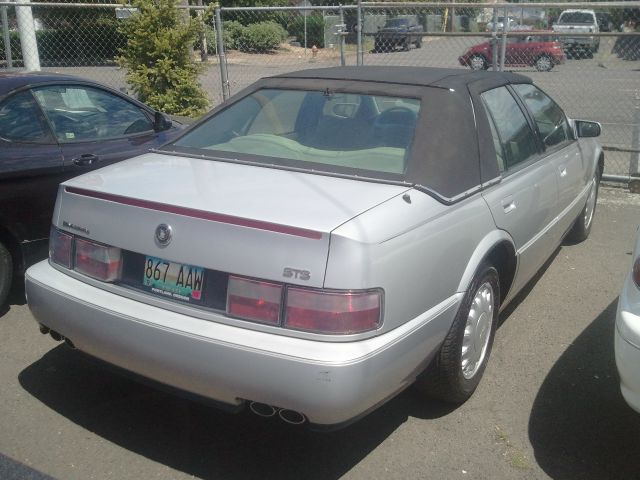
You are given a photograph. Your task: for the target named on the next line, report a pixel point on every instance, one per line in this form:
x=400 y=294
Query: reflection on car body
x=354 y=230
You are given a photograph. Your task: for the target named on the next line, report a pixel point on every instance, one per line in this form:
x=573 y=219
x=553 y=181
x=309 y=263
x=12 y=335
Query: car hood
x=241 y=219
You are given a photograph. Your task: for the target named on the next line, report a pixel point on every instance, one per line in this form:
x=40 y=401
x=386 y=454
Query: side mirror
x=161 y=122
x=588 y=129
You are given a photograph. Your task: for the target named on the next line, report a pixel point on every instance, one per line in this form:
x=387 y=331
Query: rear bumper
x=329 y=382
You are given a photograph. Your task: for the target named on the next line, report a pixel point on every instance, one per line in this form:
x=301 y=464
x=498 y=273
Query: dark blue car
x=54 y=127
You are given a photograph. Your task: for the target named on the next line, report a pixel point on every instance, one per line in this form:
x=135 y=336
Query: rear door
x=95 y=127
x=562 y=151
x=524 y=203
x=30 y=168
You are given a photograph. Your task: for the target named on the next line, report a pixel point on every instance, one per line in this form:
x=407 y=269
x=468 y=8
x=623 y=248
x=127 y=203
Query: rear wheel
x=582 y=227
x=6 y=273
x=419 y=43
x=544 y=63
x=458 y=367
x=478 y=62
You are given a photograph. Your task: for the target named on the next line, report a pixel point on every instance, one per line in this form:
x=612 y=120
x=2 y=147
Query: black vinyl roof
x=417 y=76
x=452 y=154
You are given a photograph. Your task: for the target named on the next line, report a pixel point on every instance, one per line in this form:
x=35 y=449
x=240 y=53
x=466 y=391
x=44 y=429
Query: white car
x=627 y=333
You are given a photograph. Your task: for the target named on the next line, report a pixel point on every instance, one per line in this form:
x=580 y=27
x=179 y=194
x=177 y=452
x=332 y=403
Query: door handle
x=85 y=159
x=508 y=204
x=563 y=171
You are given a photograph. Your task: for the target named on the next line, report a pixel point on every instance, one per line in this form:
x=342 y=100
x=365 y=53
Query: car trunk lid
x=244 y=220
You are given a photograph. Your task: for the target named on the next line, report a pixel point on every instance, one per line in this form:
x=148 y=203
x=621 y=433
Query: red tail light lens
x=635 y=273
x=98 y=261
x=60 y=246
x=332 y=312
x=254 y=300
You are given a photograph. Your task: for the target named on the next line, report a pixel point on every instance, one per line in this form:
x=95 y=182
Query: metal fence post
x=341 y=33
x=360 y=54
x=494 y=41
x=7 y=37
x=224 y=76
x=503 y=45
x=634 y=158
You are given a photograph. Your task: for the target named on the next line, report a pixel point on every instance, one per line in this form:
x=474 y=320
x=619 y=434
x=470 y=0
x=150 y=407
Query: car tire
x=478 y=62
x=6 y=273
x=544 y=63
x=456 y=370
x=582 y=226
x=405 y=45
x=419 y=43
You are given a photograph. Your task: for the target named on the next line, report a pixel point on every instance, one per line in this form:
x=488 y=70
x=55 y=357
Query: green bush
x=158 y=59
x=260 y=37
x=232 y=32
x=315 y=30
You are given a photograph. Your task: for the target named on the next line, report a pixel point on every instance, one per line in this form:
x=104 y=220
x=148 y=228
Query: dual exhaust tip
x=56 y=336
x=288 y=416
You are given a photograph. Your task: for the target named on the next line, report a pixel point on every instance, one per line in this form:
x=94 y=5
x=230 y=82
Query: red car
x=542 y=51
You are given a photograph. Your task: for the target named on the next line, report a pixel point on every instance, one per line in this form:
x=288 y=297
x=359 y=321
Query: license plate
x=173 y=280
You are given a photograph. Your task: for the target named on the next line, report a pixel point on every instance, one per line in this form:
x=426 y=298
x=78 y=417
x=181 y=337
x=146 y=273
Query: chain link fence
x=586 y=55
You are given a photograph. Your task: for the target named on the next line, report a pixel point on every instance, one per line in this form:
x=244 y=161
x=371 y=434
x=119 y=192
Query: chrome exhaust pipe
x=56 y=336
x=292 y=417
x=262 y=409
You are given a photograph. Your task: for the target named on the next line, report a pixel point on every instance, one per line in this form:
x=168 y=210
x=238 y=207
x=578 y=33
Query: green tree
x=158 y=57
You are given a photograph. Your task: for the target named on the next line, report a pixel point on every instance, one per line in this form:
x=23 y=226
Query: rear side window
x=576 y=17
x=21 y=120
x=510 y=127
x=550 y=119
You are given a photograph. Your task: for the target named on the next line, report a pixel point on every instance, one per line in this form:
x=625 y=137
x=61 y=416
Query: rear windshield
x=307 y=129
x=576 y=17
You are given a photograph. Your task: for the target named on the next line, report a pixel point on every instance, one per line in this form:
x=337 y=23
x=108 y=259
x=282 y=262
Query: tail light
x=97 y=261
x=254 y=300
x=332 y=312
x=60 y=247
x=635 y=272
x=310 y=310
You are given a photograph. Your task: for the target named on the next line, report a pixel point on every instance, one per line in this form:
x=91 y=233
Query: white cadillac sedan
x=322 y=240
x=627 y=333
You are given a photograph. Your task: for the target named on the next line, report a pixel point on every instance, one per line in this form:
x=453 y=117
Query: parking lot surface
x=549 y=405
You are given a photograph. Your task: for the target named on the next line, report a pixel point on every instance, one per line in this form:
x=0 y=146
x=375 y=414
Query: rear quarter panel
x=417 y=252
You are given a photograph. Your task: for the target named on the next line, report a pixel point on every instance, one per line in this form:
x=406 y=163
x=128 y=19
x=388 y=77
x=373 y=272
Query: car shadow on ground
x=580 y=426
x=200 y=440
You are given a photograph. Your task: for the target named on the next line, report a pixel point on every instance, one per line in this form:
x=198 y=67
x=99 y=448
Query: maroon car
x=542 y=51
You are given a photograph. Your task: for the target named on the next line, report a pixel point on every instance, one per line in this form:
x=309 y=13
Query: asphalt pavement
x=548 y=406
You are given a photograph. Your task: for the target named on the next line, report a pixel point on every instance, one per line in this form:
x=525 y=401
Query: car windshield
x=397 y=22
x=312 y=130
x=575 y=17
